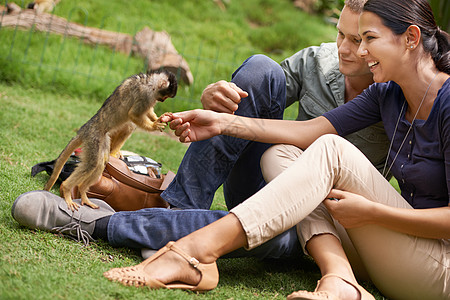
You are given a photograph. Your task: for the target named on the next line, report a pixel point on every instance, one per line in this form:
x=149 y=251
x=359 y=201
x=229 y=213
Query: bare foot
x=339 y=288
x=171 y=267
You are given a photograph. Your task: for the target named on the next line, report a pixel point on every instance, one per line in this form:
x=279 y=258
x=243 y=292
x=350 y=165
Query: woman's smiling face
x=382 y=50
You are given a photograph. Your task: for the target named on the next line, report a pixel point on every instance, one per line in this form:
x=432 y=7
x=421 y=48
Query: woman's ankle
x=338 y=287
x=214 y=240
x=203 y=251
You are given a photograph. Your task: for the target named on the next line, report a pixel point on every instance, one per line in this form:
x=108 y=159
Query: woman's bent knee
x=278 y=158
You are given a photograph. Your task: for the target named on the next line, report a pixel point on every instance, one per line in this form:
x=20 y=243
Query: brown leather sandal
x=135 y=276
x=324 y=295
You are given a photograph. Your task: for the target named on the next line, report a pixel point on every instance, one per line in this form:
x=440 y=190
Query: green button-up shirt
x=313 y=79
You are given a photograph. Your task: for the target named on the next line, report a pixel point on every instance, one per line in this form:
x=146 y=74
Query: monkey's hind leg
x=119 y=137
x=83 y=178
x=96 y=154
x=67 y=186
x=87 y=173
x=83 y=187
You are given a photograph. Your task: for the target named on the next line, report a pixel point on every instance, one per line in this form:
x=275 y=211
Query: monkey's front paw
x=159 y=126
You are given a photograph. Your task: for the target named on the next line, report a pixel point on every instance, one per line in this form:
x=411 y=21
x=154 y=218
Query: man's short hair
x=355 y=5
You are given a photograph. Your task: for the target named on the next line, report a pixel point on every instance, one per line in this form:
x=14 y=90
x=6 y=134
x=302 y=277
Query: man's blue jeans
x=207 y=165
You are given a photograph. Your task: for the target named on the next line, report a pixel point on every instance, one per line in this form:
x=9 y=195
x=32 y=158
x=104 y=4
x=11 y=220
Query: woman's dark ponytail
x=402 y=14
x=442 y=57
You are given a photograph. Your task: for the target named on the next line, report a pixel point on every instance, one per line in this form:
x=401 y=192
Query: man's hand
x=349 y=209
x=193 y=125
x=222 y=96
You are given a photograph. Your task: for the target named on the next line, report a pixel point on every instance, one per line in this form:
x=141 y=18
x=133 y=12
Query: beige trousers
x=400 y=265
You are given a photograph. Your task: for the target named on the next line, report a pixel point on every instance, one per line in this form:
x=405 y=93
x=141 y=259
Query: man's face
x=348 y=40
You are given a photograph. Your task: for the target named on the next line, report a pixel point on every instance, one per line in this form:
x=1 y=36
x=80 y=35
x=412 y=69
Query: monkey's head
x=155 y=86
x=166 y=84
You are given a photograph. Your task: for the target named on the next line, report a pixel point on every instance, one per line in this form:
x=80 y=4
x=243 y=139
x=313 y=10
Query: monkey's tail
x=61 y=160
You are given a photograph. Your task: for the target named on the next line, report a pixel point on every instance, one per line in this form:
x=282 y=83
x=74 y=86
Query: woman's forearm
x=426 y=223
x=298 y=133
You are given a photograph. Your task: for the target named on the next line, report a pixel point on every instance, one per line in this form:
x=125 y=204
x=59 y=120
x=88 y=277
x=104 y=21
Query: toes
x=90 y=204
x=126 y=276
x=73 y=206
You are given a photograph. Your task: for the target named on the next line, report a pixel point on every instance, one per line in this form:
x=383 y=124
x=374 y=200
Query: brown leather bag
x=127 y=190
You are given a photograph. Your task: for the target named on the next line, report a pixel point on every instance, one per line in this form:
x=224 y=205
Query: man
x=320 y=78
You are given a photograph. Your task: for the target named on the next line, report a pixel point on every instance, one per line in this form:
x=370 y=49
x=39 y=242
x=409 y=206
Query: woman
x=402 y=240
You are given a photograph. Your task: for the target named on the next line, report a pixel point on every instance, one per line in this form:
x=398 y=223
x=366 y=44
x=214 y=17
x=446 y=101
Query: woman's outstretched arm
x=197 y=125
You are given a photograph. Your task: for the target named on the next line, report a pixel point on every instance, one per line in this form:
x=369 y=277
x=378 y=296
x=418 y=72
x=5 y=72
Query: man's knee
x=264 y=63
x=259 y=67
x=278 y=158
x=264 y=81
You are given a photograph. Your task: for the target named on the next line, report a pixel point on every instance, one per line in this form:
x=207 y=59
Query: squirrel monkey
x=129 y=106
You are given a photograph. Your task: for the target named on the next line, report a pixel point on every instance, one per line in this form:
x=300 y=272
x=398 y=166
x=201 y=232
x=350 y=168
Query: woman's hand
x=349 y=209
x=193 y=125
x=222 y=96
x=352 y=210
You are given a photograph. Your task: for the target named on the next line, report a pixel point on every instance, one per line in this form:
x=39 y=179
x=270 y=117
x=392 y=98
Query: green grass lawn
x=50 y=86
